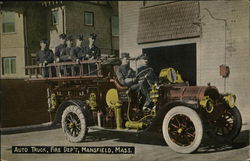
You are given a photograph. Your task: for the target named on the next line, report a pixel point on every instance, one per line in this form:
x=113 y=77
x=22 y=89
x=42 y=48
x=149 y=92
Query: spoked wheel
x=227 y=127
x=182 y=129
x=74 y=124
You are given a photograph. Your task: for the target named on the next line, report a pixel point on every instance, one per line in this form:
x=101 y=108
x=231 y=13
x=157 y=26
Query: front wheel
x=74 y=124
x=182 y=129
x=226 y=127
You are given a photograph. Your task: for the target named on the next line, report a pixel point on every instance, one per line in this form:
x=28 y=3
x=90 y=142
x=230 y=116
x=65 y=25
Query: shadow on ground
x=240 y=142
x=208 y=146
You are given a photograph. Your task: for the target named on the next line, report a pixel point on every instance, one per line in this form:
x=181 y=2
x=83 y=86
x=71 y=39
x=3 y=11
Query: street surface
x=148 y=147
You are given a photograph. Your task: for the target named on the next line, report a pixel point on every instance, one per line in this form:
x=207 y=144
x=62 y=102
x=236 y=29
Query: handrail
x=64 y=70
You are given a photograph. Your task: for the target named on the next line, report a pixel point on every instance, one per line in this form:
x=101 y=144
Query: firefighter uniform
x=45 y=56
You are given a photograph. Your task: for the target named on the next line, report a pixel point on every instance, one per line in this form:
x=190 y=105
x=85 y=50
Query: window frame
x=114 y=35
x=11 y=70
x=93 y=18
x=3 y=22
x=52 y=16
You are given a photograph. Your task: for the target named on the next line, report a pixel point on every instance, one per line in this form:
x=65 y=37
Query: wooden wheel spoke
x=175 y=118
x=175 y=126
x=189 y=134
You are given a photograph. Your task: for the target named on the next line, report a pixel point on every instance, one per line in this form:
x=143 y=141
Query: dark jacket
x=59 y=49
x=93 y=52
x=77 y=53
x=123 y=72
x=65 y=54
x=44 y=55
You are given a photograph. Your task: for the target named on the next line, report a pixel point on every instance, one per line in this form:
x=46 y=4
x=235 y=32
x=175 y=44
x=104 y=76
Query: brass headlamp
x=230 y=99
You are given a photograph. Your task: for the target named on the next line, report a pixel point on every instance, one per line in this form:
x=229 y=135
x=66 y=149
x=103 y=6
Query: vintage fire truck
x=95 y=99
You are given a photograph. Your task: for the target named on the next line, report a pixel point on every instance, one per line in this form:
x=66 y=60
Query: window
x=9 y=65
x=54 y=17
x=89 y=18
x=33 y=58
x=8 y=22
x=115 y=26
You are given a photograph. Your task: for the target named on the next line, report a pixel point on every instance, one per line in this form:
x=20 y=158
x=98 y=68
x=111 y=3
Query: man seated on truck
x=127 y=77
x=92 y=52
x=147 y=78
x=44 y=57
x=65 y=55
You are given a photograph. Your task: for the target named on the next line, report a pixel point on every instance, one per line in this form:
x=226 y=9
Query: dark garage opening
x=180 y=57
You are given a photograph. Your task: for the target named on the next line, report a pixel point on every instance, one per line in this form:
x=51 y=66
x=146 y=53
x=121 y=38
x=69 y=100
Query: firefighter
x=60 y=47
x=128 y=77
x=44 y=57
x=65 y=55
x=78 y=54
x=92 y=53
x=146 y=80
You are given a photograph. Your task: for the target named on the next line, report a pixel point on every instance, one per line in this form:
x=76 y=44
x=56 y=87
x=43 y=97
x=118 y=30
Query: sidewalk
x=20 y=129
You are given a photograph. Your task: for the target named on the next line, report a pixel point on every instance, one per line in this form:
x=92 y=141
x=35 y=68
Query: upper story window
x=54 y=17
x=9 y=65
x=115 y=26
x=8 y=22
x=88 y=18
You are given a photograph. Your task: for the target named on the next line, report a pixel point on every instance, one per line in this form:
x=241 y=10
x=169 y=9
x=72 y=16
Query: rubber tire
x=195 y=118
x=236 y=131
x=78 y=111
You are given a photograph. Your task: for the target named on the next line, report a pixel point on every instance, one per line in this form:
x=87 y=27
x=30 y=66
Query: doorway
x=180 y=57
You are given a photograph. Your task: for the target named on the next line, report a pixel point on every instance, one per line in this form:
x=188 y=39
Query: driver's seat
x=116 y=82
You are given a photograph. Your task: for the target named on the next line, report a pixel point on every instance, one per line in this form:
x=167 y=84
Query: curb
x=25 y=128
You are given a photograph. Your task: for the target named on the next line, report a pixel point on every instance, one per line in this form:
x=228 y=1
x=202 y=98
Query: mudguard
x=157 y=121
x=62 y=107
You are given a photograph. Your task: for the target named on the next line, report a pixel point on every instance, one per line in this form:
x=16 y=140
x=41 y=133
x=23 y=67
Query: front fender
x=62 y=107
x=157 y=121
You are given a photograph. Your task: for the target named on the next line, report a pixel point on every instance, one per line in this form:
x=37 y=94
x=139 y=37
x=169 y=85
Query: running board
x=119 y=130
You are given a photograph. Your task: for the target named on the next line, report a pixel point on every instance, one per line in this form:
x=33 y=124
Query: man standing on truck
x=60 y=47
x=44 y=57
x=92 y=53
x=77 y=53
x=65 y=55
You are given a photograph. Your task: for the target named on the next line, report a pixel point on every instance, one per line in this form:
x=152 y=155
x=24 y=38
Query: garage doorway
x=180 y=57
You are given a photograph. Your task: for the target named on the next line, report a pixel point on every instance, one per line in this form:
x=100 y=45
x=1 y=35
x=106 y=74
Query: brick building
x=23 y=25
x=196 y=37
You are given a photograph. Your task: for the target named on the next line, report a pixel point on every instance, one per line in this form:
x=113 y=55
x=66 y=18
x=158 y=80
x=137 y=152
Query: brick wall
x=210 y=46
x=235 y=54
x=12 y=44
x=102 y=22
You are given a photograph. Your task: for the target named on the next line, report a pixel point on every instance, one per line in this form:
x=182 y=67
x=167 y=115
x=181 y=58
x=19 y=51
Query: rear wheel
x=182 y=129
x=74 y=124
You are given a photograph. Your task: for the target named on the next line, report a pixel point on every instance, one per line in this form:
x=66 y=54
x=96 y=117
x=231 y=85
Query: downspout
x=225 y=35
x=26 y=47
x=63 y=20
x=111 y=36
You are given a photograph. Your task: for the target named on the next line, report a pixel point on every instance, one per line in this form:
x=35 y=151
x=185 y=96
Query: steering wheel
x=142 y=74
